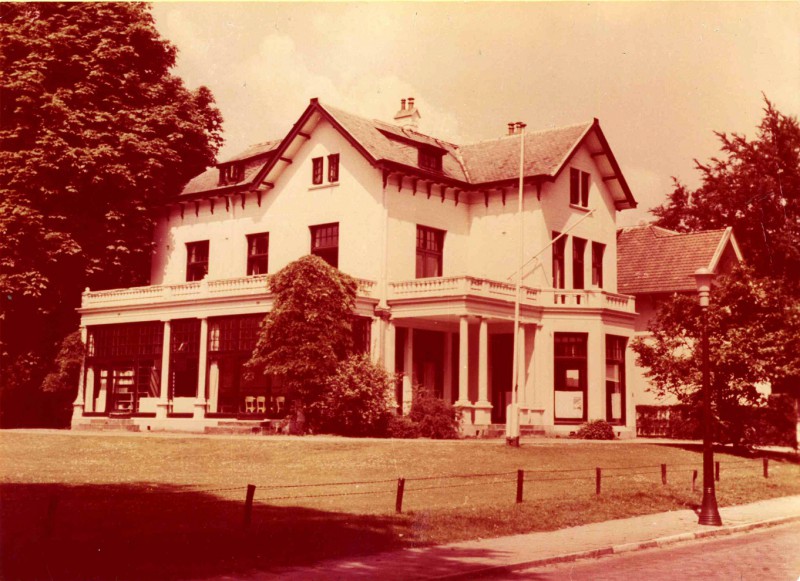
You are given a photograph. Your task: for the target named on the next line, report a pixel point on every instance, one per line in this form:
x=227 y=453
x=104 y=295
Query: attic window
x=430 y=159
x=231 y=174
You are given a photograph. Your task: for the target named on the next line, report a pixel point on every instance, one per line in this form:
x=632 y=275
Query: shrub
x=358 y=400
x=435 y=417
x=403 y=427
x=596 y=430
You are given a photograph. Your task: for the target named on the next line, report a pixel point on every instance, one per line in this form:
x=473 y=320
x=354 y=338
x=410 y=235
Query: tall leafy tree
x=95 y=132
x=754 y=341
x=753 y=186
x=309 y=330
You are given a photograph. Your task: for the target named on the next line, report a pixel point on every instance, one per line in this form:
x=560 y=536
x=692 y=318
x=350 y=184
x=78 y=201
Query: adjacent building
x=430 y=230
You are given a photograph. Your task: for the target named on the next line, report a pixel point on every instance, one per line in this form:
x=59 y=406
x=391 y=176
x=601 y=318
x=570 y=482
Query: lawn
x=142 y=506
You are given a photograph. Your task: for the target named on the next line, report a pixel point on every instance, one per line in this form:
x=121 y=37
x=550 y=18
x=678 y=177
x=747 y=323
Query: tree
x=754 y=187
x=95 y=133
x=308 y=332
x=754 y=340
x=358 y=399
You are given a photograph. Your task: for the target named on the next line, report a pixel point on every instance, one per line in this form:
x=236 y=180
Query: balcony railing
x=439 y=287
x=226 y=287
x=457 y=286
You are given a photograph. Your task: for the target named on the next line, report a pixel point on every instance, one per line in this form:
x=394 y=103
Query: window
x=316 y=176
x=325 y=243
x=430 y=159
x=333 y=168
x=597 y=264
x=184 y=364
x=559 y=244
x=127 y=363
x=578 y=188
x=196 y=260
x=570 y=377
x=615 y=379
x=430 y=243
x=578 y=251
x=231 y=174
x=257 y=253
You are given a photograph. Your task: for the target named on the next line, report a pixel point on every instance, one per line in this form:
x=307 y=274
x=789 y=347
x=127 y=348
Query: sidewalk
x=467 y=559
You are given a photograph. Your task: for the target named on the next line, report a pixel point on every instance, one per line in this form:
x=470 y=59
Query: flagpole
x=512 y=411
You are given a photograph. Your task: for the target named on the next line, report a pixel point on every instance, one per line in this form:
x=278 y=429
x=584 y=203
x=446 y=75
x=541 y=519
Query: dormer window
x=430 y=159
x=231 y=173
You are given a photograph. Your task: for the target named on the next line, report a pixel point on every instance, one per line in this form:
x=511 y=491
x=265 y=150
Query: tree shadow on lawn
x=136 y=531
x=740 y=451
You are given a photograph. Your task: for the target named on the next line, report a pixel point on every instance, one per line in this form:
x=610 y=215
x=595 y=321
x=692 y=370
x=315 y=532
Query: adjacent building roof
x=656 y=260
x=482 y=164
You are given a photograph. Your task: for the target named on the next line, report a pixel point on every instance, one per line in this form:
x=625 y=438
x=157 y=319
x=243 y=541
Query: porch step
x=245 y=427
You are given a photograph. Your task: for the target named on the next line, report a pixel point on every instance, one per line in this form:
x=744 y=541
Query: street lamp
x=709 y=514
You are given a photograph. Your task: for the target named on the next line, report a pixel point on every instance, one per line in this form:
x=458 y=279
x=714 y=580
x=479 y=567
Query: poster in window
x=569 y=405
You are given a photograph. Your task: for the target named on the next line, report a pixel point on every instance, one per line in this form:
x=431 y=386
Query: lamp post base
x=709 y=514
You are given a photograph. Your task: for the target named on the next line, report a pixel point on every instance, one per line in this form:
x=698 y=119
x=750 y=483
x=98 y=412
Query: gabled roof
x=656 y=260
x=484 y=164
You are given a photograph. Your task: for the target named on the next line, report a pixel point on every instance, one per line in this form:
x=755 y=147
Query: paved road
x=767 y=555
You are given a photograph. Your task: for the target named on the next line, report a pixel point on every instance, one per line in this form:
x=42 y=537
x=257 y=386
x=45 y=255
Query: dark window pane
x=597 y=264
x=316 y=177
x=325 y=243
x=257 y=253
x=430 y=245
x=559 y=245
x=333 y=168
x=584 y=189
x=574 y=186
x=196 y=260
x=578 y=251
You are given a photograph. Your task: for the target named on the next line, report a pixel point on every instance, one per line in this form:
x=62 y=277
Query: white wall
x=286 y=212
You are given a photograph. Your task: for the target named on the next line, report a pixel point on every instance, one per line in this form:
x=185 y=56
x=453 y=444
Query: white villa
x=430 y=230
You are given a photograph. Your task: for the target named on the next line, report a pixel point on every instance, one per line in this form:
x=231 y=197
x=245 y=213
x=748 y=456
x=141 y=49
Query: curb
x=618 y=549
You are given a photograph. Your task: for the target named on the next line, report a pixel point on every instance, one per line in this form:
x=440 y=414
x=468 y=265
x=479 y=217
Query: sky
x=660 y=77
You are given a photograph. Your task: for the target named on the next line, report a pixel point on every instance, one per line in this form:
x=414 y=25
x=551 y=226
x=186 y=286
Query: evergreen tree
x=95 y=133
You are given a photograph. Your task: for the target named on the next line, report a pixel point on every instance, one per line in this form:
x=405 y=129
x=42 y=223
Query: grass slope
x=86 y=506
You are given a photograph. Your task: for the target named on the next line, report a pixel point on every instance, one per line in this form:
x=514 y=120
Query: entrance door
x=501 y=359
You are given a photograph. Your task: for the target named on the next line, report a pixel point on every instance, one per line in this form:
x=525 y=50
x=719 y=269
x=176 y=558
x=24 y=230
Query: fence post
x=664 y=474
x=716 y=471
x=598 y=476
x=51 y=516
x=398 y=505
x=248 y=505
x=694 y=479
x=520 y=484
x=766 y=467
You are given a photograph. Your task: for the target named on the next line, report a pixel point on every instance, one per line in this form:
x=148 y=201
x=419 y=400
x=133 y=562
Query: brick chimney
x=408 y=116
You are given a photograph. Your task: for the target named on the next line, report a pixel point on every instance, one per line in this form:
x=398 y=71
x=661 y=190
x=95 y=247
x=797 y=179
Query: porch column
x=213 y=386
x=463 y=362
x=408 y=370
x=483 y=409
x=376 y=340
x=89 y=391
x=79 y=405
x=200 y=403
x=448 y=367
x=162 y=405
x=389 y=339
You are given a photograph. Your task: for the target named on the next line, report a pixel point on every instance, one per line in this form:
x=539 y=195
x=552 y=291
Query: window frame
x=616 y=346
x=429 y=250
x=559 y=260
x=328 y=252
x=197 y=270
x=333 y=168
x=255 y=259
x=430 y=159
x=317 y=168
x=579 y=185
x=576 y=360
x=578 y=263
x=598 y=253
